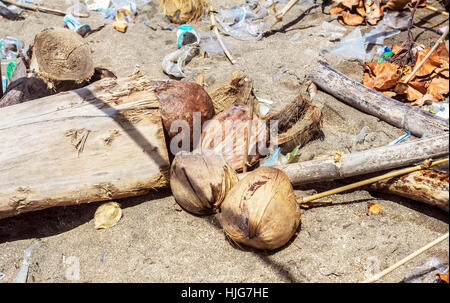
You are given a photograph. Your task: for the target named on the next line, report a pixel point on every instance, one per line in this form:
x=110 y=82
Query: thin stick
x=40 y=8
x=369 y=181
x=216 y=32
x=408 y=258
x=280 y=15
x=1 y=81
x=440 y=40
x=436 y=10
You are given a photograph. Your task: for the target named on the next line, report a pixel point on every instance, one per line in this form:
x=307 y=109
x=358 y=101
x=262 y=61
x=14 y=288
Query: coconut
x=226 y=134
x=200 y=182
x=261 y=210
x=183 y=11
x=178 y=101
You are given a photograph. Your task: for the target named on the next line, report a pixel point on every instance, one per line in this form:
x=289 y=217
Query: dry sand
x=156 y=241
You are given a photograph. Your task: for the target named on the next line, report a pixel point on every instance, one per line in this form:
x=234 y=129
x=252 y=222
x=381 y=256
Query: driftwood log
x=427 y=186
x=401 y=115
x=100 y=142
x=369 y=161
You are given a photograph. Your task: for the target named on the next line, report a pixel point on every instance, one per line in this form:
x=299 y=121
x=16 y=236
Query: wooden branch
x=369 y=181
x=216 y=32
x=401 y=115
x=100 y=142
x=407 y=259
x=280 y=15
x=39 y=8
x=431 y=8
x=369 y=161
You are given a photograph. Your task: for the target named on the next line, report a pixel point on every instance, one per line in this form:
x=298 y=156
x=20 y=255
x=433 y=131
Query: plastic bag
x=396 y=20
x=210 y=44
x=174 y=63
x=237 y=21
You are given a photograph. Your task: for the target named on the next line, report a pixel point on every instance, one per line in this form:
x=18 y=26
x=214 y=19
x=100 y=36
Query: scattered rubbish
x=442 y=277
x=78 y=10
x=442 y=30
x=107 y=215
x=351 y=47
x=332 y=31
x=430 y=79
x=2 y=276
x=102 y=259
x=418 y=274
x=9 y=13
x=74 y=25
x=187 y=35
x=10 y=48
x=386 y=54
x=400 y=139
x=362 y=135
x=95 y=5
x=183 y=11
x=439 y=108
x=209 y=43
x=396 y=19
x=296 y=38
x=175 y=62
x=277 y=158
x=23 y=271
x=238 y=21
x=29 y=5
x=374 y=208
x=149 y=26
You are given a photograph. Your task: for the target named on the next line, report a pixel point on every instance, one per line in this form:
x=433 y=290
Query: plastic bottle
x=10 y=48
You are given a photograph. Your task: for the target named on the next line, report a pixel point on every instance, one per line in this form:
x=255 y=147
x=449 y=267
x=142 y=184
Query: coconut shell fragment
x=261 y=210
x=107 y=215
x=200 y=182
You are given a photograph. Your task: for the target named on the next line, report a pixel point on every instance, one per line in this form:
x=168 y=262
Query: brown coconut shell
x=238 y=91
x=226 y=134
x=59 y=55
x=200 y=182
x=179 y=100
x=261 y=210
x=183 y=11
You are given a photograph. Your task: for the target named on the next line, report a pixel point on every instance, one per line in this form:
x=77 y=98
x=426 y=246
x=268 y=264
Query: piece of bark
x=401 y=115
x=101 y=142
x=427 y=186
x=369 y=161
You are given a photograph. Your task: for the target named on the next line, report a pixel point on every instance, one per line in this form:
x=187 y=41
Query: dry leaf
x=389 y=94
x=438 y=88
x=415 y=90
x=385 y=75
x=443 y=277
x=107 y=215
x=361 y=10
x=351 y=19
x=425 y=100
x=349 y=3
x=396 y=5
x=374 y=11
x=375 y=208
x=438 y=58
x=337 y=9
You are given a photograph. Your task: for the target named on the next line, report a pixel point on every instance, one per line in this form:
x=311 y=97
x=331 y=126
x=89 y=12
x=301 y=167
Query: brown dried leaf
x=415 y=90
x=351 y=19
x=337 y=9
x=361 y=9
x=396 y=5
x=438 y=58
x=389 y=94
x=443 y=277
x=348 y=3
x=385 y=75
x=374 y=12
x=438 y=88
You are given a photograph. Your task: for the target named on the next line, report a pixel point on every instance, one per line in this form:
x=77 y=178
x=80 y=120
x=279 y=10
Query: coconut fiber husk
x=60 y=56
x=183 y=11
x=237 y=91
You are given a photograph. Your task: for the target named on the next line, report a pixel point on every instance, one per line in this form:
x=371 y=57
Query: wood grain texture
x=101 y=142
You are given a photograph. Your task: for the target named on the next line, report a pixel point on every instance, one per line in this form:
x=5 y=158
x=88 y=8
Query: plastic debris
x=210 y=44
x=277 y=158
x=362 y=135
x=73 y=24
x=10 y=48
x=238 y=21
x=396 y=20
x=174 y=63
x=400 y=139
x=296 y=38
x=442 y=30
x=23 y=271
x=440 y=109
x=78 y=10
x=2 y=276
x=418 y=274
x=103 y=257
x=94 y=5
x=8 y=13
x=187 y=35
